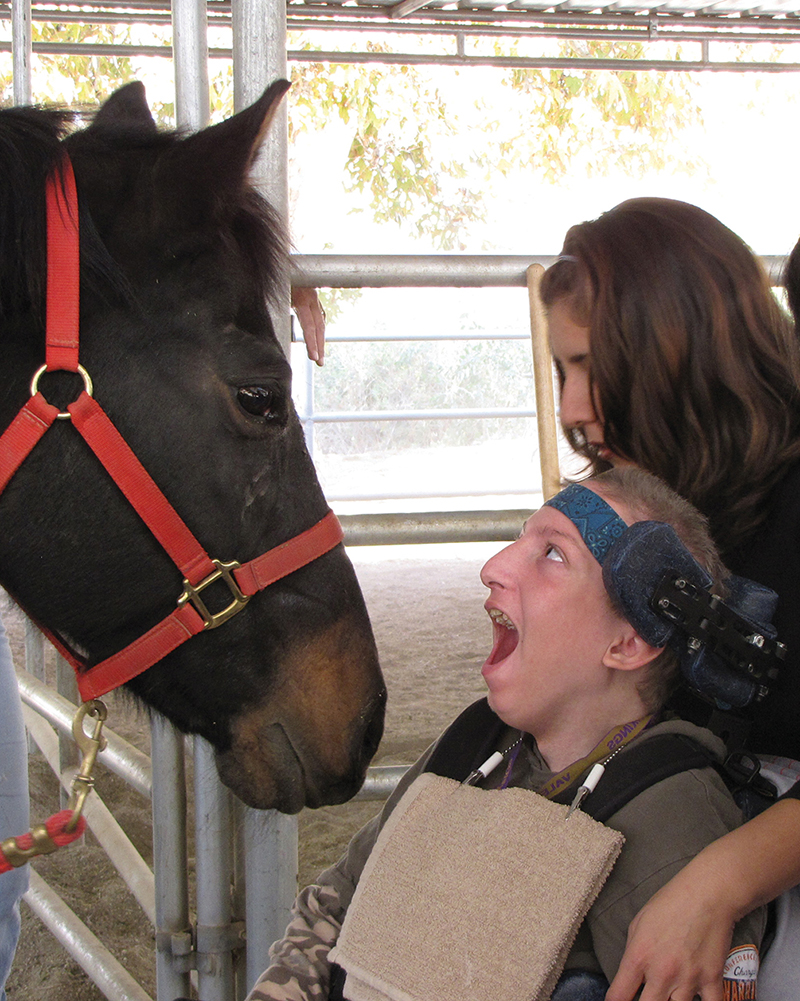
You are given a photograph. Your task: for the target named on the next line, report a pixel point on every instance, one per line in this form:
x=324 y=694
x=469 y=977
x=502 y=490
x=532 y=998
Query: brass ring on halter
x=63 y=415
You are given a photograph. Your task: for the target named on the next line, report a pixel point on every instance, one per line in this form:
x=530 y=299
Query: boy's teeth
x=501 y=619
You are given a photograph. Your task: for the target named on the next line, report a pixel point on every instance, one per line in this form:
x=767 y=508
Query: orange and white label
x=740 y=974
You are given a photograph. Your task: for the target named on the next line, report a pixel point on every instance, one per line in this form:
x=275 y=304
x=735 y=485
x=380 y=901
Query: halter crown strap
x=599 y=524
x=63 y=269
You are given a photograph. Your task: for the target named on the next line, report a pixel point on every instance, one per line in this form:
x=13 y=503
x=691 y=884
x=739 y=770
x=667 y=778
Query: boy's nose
x=495 y=572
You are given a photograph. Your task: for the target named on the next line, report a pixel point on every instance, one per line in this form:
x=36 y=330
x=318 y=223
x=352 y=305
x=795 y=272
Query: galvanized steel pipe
x=425 y=527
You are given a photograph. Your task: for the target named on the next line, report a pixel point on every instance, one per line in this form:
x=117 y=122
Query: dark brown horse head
x=180 y=262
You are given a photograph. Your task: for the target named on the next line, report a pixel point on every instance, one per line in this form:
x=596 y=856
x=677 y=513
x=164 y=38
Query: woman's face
x=570 y=346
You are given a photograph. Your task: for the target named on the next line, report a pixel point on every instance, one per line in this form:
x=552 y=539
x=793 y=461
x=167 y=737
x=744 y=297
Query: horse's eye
x=256 y=400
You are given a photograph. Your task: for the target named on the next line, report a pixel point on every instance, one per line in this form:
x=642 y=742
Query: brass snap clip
x=83 y=783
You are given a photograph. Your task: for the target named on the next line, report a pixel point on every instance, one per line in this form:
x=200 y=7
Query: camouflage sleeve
x=300 y=970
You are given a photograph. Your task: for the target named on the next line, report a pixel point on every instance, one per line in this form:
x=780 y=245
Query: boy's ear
x=629 y=651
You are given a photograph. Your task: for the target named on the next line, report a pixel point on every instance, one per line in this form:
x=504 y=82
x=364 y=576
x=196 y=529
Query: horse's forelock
x=263 y=240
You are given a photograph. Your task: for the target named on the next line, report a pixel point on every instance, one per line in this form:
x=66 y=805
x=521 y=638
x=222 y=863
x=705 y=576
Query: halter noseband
x=191 y=615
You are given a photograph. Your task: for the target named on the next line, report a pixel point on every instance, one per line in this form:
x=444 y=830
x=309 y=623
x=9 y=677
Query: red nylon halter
x=199 y=570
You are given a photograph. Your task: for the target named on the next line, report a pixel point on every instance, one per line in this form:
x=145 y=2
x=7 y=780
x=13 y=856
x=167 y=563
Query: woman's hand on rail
x=306 y=304
x=678 y=942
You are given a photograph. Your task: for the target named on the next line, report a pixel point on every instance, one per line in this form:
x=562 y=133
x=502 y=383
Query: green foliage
x=424 y=159
x=80 y=81
x=397 y=155
x=603 y=121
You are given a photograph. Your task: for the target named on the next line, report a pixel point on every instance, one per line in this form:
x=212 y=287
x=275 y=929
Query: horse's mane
x=30 y=146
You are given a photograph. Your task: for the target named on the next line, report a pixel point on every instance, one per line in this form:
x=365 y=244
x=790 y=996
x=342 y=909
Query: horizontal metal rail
x=542 y=62
x=434 y=270
x=415 y=270
x=523 y=490
x=462 y=60
x=432 y=526
x=350 y=416
x=381 y=782
x=389 y=338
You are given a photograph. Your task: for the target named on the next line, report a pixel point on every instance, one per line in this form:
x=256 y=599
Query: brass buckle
x=224 y=572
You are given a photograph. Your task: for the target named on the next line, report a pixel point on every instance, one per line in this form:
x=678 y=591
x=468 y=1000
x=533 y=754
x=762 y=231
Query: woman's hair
x=695 y=369
x=791 y=282
x=650 y=499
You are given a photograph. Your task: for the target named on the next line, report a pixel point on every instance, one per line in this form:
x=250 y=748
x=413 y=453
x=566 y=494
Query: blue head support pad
x=639 y=561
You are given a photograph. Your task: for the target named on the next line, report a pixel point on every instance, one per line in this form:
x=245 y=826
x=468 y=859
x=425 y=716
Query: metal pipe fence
x=247 y=880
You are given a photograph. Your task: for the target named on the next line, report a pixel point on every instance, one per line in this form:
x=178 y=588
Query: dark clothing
x=771 y=557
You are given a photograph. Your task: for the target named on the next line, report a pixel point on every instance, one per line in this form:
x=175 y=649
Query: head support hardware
x=727 y=649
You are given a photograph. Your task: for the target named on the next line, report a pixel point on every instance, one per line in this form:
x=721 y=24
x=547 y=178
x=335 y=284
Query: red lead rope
x=42 y=840
x=90 y=420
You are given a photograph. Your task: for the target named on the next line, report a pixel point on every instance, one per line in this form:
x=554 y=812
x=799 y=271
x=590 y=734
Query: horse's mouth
x=267 y=774
x=277 y=771
x=309 y=741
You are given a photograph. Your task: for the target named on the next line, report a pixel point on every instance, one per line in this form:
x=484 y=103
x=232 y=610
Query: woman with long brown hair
x=672 y=353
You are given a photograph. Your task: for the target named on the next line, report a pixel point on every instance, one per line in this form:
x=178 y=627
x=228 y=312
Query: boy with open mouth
x=593 y=609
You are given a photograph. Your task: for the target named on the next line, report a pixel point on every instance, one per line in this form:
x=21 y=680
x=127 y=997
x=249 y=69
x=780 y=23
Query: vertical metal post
x=543 y=381
x=34 y=662
x=239 y=902
x=21 y=50
x=259 y=58
x=190 y=59
x=170 y=862
x=214 y=851
x=271 y=841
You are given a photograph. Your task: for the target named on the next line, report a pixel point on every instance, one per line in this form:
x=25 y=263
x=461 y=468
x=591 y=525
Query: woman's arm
x=678 y=942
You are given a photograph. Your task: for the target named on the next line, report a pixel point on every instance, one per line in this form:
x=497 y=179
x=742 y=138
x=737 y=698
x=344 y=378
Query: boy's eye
x=551 y=553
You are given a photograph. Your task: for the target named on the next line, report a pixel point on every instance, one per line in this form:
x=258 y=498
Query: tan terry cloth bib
x=471 y=894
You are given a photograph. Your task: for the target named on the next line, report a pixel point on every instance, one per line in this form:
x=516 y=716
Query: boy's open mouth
x=506 y=636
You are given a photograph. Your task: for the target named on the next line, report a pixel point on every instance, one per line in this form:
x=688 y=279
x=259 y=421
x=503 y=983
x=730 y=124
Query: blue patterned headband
x=599 y=524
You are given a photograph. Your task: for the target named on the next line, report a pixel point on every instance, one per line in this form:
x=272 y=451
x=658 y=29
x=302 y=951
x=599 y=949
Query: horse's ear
x=223 y=153
x=126 y=106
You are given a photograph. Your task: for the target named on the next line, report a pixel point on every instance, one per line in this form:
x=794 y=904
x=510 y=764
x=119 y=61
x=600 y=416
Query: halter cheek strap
x=599 y=524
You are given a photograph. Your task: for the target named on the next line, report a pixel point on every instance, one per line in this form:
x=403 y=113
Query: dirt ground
x=432 y=634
